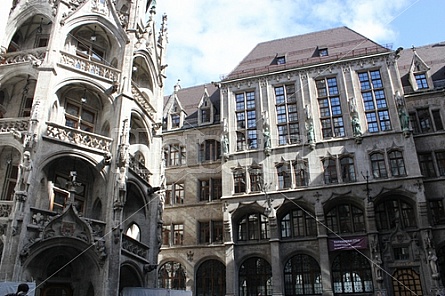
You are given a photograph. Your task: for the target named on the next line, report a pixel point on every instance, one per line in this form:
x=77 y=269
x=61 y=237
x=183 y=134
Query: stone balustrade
x=88 y=66
x=134 y=247
x=35 y=56
x=78 y=137
x=143 y=101
x=8 y=125
x=139 y=169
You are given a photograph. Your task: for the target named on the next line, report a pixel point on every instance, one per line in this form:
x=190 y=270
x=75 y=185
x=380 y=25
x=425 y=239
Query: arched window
x=211 y=279
x=351 y=273
x=253 y=227
x=171 y=275
x=392 y=211
x=255 y=277
x=298 y=223
x=302 y=276
x=134 y=232
x=345 y=218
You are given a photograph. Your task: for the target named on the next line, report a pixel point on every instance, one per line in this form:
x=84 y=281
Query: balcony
x=135 y=248
x=142 y=101
x=77 y=137
x=89 y=67
x=35 y=56
x=13 y=125
x=139 y=169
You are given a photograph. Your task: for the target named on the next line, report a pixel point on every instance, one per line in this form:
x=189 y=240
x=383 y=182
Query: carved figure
x=266 y=135
x=25 y=171
x=356 y=129
x=310 y=132
x=432 y=259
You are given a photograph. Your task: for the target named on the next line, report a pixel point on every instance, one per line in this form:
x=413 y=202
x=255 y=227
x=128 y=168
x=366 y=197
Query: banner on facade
x=350 y=243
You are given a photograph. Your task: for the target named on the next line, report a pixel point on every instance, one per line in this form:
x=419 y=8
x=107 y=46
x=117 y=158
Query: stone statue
x=432 y=259
x=310 y=132
x=225 y=144
x=266 y=136
x=356 y=129
x=25 y=171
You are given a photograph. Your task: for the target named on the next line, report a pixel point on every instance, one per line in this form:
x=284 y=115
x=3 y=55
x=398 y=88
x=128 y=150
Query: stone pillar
x=231 y=274
x=325 y=264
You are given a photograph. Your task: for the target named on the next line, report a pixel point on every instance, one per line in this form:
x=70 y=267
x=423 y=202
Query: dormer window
x=323 y=52
x=175 y=120
x=281 y=60
x=421 y=81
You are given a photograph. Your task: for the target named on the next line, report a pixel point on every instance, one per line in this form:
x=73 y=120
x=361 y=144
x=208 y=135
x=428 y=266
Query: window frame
x=288 y=126
x=78 y=121
x=330 y=108
x=375 y=102
x=246 y=121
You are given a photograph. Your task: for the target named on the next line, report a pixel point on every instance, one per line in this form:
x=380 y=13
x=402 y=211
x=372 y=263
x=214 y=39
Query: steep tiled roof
x=190 y=98
x=433 y=55
x=303 y=50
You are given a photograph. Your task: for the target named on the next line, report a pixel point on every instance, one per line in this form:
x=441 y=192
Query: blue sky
x=207 y=39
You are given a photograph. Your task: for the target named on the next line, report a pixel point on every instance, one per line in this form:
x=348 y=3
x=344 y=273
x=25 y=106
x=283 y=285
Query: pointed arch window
x=351 y=273
x=211 y=278
x=392 y=211
x=171 y=275
x=302 y=276
x=134 y=232
x=345 y=218
x=255 y=277
x=253 y=226
x=298 y=223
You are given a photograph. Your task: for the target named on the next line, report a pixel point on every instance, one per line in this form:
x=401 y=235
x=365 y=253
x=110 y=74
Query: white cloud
x=209 y=38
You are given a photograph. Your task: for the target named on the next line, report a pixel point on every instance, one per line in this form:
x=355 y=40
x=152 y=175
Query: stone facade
x=331 y=170
x=80 y=99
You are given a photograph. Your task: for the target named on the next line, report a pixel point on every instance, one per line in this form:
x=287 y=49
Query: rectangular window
x=166 y=235
x=421 y=81
x=284 y=176
x=26 y=108
x=437 y=211
x=10 y=181
x=427 y=165
x=175 y=120
x=210 y=150
x=256 y=179
x=210 y=189
x=437 y=120
x=440 y=160
x=246 y=121
x=174 y=194
x=210 y=232
x=79 y=117
x=378 y=166
x=397 y=163
x=178 y=234
x=287 y=116
x=204 y=232
x=330 y=171
x=174 y=155
x=330 y=108
x=205 y=115
x=347 y=169
x=301 y=173
x=239 y=181
x=401 y=253
x=374 y=101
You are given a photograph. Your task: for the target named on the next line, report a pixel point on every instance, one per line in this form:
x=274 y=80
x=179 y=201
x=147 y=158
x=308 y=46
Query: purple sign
x=349 y=243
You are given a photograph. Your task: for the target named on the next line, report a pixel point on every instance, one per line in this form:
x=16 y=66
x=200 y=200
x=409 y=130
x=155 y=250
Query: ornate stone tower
x=81 y=87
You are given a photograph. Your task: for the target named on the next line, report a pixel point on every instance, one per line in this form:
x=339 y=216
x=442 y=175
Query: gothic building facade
x=81 y=88
x=326 y=164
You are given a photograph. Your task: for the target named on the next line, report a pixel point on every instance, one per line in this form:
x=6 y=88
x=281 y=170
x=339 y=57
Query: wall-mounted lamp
x=83 y=99
x=40 y=28
x=93 y=36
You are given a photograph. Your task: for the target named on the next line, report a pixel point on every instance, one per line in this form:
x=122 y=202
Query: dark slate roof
x=434 y=57
x=303 y=50
x=191 y=97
